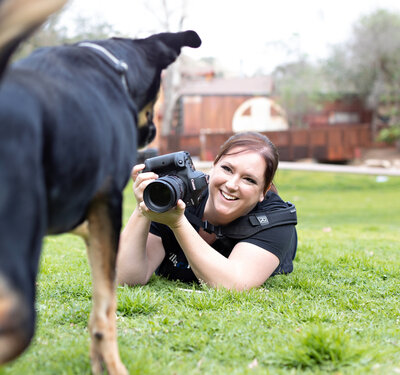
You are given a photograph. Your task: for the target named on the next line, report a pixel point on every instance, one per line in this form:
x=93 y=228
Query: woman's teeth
x=227 y=196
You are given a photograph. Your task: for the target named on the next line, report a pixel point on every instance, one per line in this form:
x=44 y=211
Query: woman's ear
x=264 y=193
x=273 y=188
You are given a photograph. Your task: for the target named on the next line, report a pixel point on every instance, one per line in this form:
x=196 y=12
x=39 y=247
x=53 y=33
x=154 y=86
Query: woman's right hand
x=140 y=181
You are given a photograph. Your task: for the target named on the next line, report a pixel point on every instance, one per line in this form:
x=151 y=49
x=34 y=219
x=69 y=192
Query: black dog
x=71 y=118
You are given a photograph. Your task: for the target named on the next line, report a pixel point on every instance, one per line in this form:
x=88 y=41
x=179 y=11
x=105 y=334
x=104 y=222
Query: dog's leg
x=16 y=322
x=22 y=226
x=82 y=231
x=104 y=220
x=19 y=17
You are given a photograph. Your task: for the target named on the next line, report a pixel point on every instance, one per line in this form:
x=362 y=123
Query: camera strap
x=250 y=224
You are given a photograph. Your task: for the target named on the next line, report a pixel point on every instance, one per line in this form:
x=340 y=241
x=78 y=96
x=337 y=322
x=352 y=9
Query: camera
x=178 y=179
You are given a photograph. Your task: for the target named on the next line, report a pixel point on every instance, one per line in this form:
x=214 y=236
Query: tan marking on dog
x=102 y=323
x=20 y=16
x=145 y=111
x=82 y=231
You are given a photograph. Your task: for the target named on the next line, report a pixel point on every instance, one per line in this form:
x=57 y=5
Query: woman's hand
x=171 y=218
x=140 y=181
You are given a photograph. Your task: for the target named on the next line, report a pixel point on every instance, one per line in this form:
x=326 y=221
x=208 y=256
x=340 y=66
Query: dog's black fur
x=69 y=132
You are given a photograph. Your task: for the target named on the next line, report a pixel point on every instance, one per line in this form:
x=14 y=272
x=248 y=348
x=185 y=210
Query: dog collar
x=119 y=65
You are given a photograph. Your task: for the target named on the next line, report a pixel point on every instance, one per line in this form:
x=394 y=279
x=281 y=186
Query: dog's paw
x=16 y=323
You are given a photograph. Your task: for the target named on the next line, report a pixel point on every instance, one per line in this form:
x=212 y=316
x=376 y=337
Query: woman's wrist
x=138 y=212
x=179 y=224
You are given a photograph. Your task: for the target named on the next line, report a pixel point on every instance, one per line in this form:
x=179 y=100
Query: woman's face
x=236 y=185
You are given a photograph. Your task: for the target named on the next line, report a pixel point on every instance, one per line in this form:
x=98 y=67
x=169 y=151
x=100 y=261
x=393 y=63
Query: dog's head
x=155 y=53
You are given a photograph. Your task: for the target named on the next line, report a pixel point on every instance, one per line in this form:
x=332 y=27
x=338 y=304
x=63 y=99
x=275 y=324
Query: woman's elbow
x=236 y=284
x=241 y=282
x=131 y=279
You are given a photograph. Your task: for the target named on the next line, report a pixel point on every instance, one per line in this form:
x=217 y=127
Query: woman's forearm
x=132 y=260
x=208 y=265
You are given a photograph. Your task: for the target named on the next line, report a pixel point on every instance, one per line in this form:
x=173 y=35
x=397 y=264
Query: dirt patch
x=380 y=157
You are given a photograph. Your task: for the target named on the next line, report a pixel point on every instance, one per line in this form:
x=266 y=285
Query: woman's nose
x=232 y=183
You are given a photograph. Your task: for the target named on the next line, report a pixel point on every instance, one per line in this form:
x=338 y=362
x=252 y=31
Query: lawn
x=338 y=312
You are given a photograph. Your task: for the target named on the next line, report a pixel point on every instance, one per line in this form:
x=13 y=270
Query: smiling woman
x=236 y=186
x=239 y=234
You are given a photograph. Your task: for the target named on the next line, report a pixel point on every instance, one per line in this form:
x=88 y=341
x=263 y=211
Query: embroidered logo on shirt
x=262 y=219
x=174 y=260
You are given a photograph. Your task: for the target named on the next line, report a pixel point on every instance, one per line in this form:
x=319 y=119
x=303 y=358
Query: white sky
x=243 y=35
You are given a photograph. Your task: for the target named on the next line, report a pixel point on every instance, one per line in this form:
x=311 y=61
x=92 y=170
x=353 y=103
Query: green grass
x=338 y=312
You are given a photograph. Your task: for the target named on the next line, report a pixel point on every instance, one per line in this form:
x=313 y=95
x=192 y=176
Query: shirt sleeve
x=277 y=240
x=154 y=229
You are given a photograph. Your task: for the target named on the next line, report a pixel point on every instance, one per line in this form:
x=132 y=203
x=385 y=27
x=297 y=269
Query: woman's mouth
x=228 y=196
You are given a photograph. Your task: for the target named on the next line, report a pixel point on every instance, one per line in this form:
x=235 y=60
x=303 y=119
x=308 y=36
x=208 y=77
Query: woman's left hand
x=172 y=218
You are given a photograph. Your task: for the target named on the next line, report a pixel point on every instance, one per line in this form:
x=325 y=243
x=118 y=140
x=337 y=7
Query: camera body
x=178 y=179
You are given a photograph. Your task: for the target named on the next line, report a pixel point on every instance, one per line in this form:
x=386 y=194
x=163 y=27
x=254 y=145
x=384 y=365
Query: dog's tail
x=18 y=18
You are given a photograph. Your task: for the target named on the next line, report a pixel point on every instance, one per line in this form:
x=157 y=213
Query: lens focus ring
x=163 y=194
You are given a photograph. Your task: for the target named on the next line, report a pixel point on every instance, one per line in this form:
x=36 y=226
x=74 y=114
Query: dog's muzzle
x=146 y=134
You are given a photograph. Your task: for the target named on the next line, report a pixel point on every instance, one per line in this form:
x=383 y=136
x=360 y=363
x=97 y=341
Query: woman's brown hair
x=253 y=141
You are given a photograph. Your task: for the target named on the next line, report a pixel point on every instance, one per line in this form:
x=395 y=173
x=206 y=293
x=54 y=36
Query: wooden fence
x=337 y=143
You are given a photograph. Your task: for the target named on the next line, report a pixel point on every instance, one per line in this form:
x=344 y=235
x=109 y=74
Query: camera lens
x=163 y=193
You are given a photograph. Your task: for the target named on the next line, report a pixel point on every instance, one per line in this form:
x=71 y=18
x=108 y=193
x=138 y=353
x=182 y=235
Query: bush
x=390 y=135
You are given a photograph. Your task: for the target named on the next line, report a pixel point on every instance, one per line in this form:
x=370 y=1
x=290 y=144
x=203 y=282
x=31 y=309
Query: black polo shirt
x=280 y=240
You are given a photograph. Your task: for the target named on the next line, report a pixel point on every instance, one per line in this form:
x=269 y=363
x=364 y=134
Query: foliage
x=298 y=88
x=390 y=134
x=368 y=64
x=337 y=313
x=375 y=48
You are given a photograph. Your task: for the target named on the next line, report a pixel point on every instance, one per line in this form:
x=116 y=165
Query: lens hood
x=163 y=194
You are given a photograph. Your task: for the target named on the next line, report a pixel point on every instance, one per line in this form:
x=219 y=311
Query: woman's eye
x=225 y=168
x=248 y=179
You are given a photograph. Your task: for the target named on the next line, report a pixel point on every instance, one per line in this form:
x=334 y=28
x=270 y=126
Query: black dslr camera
x=178 y=179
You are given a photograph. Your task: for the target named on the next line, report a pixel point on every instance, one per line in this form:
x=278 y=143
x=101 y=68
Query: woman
x=167 y=243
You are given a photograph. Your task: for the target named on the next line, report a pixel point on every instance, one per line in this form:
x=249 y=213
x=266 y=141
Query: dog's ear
x=170 y=44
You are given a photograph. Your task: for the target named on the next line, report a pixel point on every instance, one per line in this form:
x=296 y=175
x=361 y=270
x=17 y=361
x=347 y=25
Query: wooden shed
x=218 y=105
x=204 y=118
